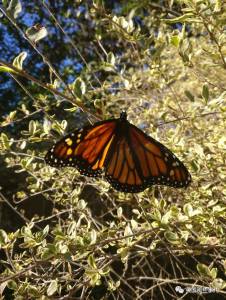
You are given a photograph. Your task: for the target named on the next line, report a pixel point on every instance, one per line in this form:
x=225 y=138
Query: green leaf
x=81 y=204
x=222 y=143
x=79 y=87
x=98 y=3
x=134 y=224
x=95 y=279
x=123 y=23
x=26 y=230
x=63 y=249
x=166 y=217
x=7 y=69
x=46 y=126
x=12 y=115
x=47 y=254
x=104 y=271
x=171 y=237
x=184 y=235
x=45 y=231
x=127 y=232
x=107 y=67
x=36 y=33
x=19 y=59
x=218 y=5
x=93 y=236
x=14 y=8
x=52 y=288
x=5 y=141
x=175 y=40
x=185 y=50
x=218 y=284
x=32 y=127
x=112 y=286
x=205 y=92
x=213 y=273
x=188 y=210
x=156 y=215
x=12 y=285
x=119 y=212
x=124 y=253
x=189 y=95
x=194 y=165
x=203 y=270
x=5 y=3
x=136 y=211
x=111 y=58
x=180 y=19
x=91 y=262
x=3 y=238
x=29 y=244
x=162 y=204
x=72 y=109
x=174 y=211
x=33 y=291
x=23 y=145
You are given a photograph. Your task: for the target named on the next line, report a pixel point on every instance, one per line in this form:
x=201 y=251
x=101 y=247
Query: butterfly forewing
x=83 y=149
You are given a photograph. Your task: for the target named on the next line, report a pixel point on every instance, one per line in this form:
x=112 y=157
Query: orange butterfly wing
x=159 y=165
x=85 y=149
x=137 y=161
x=121 y=170
x=131 y=159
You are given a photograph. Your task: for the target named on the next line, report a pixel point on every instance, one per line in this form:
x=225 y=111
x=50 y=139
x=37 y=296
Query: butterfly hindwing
x=121 y=169
x=158 y=164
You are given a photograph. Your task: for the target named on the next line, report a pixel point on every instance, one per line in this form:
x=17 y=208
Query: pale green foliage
x=36 y=33
x=172 y=84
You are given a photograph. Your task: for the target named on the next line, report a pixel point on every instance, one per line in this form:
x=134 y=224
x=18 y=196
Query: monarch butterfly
x=130 y=159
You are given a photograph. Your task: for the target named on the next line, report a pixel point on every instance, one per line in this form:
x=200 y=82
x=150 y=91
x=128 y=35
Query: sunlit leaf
x=7 y=69
x=18 y=61
x=181 y=19
x=79 y=87
x=3 y=238
x=203 y=270
x=172 y=237
x=91 y=262
x=36 y=33
x=188 y=210
x=14 y=8
x=93 y=236
x=111 y=58
x=205 y=92
x=52 y=288
x=175 y=40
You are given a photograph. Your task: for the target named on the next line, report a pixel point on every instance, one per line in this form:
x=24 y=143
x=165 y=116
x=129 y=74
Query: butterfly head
x=123 y=115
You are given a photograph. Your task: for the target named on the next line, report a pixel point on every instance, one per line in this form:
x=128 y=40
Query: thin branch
x=48 y=88
x=188 y=118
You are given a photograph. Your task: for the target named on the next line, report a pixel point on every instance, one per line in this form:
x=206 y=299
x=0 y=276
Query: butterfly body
x=130 y=160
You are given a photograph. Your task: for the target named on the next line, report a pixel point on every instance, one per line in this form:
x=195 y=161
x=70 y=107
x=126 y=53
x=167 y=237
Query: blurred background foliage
x=66 y=63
